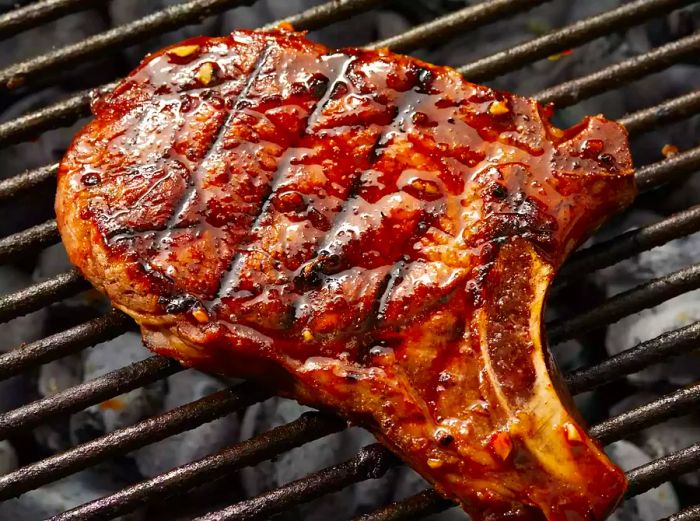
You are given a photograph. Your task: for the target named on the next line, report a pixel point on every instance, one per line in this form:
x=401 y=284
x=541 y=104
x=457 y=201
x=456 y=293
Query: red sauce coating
x=364 y=231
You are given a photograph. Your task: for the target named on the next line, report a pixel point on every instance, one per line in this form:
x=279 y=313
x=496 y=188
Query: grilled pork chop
x=367 y=233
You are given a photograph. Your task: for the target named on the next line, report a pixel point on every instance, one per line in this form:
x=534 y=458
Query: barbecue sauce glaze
x=364 y=232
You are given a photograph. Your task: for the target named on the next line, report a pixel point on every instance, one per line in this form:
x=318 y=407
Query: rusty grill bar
x=372 y=461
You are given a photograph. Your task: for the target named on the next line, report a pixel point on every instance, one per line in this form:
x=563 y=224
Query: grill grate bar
x=39 y=295
x=198 y=472
x=679 y=403
x=687 y=514
x=61 y=114
x=615 y=20
x=14 y=186
x=87 y=394
x=308 y=427
x=666 y=345
x=626 y=303
x=655 y=174
x=64 y=343
x=326 y=14
x=636 y=299
x=661 y=470
x=424 y=503
x=630 y=243
x=571 y=92
x=446 y=26
x=121 y=441
x=29 y=240
x=372 y=462
x=336 y=477
x=161 y=22
x=662 y=114
x=37 y=13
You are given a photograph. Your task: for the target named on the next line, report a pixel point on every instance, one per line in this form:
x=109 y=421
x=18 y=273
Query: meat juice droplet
x=90 y=179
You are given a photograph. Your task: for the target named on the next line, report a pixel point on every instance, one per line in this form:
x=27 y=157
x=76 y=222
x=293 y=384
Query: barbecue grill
x=372 y=461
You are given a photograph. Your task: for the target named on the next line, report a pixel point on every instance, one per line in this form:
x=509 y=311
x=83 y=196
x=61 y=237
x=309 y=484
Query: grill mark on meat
x=229 y=276
x=195 y=188
x=318 y=260
x=395 y=278
x=372 y=158
x=341 y=75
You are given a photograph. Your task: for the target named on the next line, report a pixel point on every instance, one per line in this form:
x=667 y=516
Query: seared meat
x=365 y=232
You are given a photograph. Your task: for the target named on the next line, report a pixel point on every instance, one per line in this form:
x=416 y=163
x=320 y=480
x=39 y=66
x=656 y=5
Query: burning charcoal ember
x=670 y=315
x=8 y=458
x=62 y=495
x=122 y=410
x=655 y=504
x=665 y=438
x=177 y=450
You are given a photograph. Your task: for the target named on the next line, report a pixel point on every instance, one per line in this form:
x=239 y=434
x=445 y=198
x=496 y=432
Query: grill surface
x=373 y=461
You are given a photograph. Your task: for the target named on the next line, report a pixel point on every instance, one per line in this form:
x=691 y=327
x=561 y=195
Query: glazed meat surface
x=366 y=233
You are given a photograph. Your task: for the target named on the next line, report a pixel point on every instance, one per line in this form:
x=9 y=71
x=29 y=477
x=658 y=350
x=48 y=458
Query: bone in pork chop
x=366 y=233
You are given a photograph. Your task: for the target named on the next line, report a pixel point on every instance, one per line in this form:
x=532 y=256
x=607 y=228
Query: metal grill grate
x=372 y=461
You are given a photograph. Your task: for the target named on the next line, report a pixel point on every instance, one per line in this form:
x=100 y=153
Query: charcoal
x=53 y=261
x=54 y=377
x=360 y=498
x=177 y=450
x=665 y=438
x=652 y=505
x=123 y=410
x=63 y=495
x=8 y=458
x=58 y=33
x=124 y=11
x=19 y=389
x=34 y=206
x=667 y=316
x=364 y=27
x=306 y=459
x=22 y=329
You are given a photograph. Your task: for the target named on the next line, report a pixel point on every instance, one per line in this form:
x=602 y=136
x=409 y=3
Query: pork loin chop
x=364 y=232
